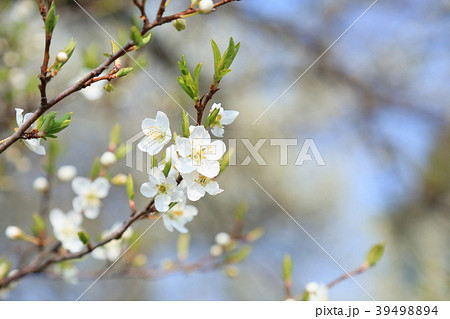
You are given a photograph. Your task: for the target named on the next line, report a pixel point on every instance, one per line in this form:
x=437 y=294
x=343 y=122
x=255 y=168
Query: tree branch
x=95 y=72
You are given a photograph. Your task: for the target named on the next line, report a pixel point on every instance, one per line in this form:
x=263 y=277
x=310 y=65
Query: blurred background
x=376 y=105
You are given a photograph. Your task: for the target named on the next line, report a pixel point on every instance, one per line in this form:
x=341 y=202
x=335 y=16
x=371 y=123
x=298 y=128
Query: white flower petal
x=228 y=117
x=195 y=192
x=216 y=151
x=35 y=146
x=200 y=135
x=183 y=146
x=147 y=123
x=163 y=121
x=81 y=185
x=99 y=253
x=101 y=187
x=209 y=169
x=213 y=188
x=167 y=223
x=19 y=117
x=185 y=165
x=57 y=218
x=91 y=212
x=217 y=131
x=148 y=190
x=162 y=202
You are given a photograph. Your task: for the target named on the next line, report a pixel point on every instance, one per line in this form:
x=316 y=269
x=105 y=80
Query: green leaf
x=124 y=72
x=130 y=187
x=84 y=237
x=114 y=136
x=95 y=170
x=135 y=35
x=69 y=51
x=114 y=47
x=146 y=39
x=254 y=234
x=51 y=19
x=375 y=254
x=287 y=268
x=183 y=246
x=225 y=161
x=217 y=55
x=240 y=255
x=38 y=225
x=197 y=70
x=212 y=117
x=185 y=124
x=241 y=211
x=167 y=168
x=188 y=84
x=121 y=151
x=5 y=266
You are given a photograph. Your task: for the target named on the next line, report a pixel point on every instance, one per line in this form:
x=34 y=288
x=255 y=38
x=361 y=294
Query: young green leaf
x=240 y=255
x=124 y=72
x=108 y=87
x=51 y=19
x=375 y=254
x=212 y=117
x=84 y=237
x=185 y=124
x=135 y=36
x=95 y=170
x=167 y=168
x=241 y=211
x=114 y=137
x=130 y=187
x=38 y=226
x=287 y=268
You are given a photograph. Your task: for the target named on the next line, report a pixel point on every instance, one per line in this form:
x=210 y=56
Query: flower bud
x=205 y=6
x=223 y=239
x=108 y=158
x=62 y=57
x=40 y=184
x=179 y=24
x=66 y=173
x=119 y=180
x=216 y=250
x=13 y=232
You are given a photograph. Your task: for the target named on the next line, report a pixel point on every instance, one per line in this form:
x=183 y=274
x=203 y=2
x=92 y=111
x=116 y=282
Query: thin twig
x=95 y=72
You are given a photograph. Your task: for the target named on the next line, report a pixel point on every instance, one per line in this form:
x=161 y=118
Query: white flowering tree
x=185 y=166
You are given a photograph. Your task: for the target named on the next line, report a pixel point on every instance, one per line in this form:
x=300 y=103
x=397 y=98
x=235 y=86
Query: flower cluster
x=189 y=168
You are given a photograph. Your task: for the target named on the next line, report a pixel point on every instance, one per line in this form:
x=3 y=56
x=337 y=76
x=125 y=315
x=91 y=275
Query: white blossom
x=66 y=173
x=13 y=232
x=89 y=194
x=112 y=250
x=199 y=153
x=198 y=184
x=205 y=6
x=222 y=239
x=157 y=133
x=178 y=216
x=223 y=118
x=40 y=184
x=108 y=158
x=163 y=188
x=317 y=292
x=33 y=144
x=66 y=228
